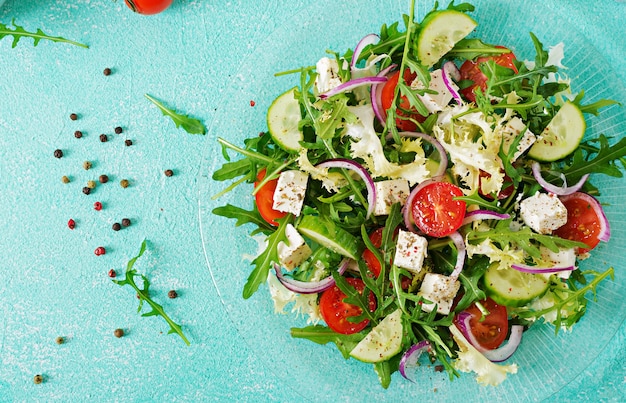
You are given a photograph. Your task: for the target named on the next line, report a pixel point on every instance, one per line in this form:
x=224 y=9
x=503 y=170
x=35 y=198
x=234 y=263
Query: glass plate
x=546 y=363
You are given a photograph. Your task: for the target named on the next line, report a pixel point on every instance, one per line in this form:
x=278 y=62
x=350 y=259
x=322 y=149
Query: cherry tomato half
x=264 y=198
x=404 y=107
x=492 y=330
x=583 y=224
x=471 y=71
x=336 y=312
x=148 y=7
x=435 y=211
x=376 y=238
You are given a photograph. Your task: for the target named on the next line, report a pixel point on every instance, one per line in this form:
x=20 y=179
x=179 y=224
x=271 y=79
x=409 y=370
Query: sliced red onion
x=410 y=358
x=557 y=190
x=605 y=229
x=362 y=172
x=451 y=72
x=365 y=41
x=443 y=157
x=309 y=287
x=406 y=210
x=484 y=215
x=352 y=84
x=375 y=95
x=540 y=270
x=501 y=353
x=459 y=243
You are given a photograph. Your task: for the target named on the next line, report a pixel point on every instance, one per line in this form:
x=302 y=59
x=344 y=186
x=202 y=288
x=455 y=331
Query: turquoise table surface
x=52 y=284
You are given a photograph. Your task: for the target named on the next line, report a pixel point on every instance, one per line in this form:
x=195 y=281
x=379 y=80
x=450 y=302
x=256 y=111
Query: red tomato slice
x=376 y=237
x=265 y=199
x=336 y=312
x=386 y=99
x=435 y=211
x=583 y=224
x=492 y=330
x=471 y=71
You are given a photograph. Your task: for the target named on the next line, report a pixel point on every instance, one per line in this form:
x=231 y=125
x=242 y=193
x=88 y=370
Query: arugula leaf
x=471 y=48
x=597 y=159
x=593 y=108
x=19 y=32
x=144 y=296
x=322 y=335
x=190 y=125
x=244 y=216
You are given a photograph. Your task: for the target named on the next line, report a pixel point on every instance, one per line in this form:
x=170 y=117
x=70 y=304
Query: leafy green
x=18 y=32
x=323 y=335
x=144 y=294
x=471 y=48
x=190 y=125
x=244 y=216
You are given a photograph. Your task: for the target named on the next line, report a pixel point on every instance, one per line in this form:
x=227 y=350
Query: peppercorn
x=103 y=179
x=112 y=273
x=124 y=183
x=100 y=251
x=97 y=206
x=439 y=368
x=71 y=224
x=103 y=138
x=116 y=226
x=125 y=222
x=107 y=71
x=73 y=116
x=169 y=172
x=38 y=379
x=65 y=179
x=118 y=333
x=87 y=165
x=86 y=190
x=58 y=153
x=118 y=130
x=78 y=134
x=59 y=340
x=128 y=142
x=91 y=184
x=172 y=294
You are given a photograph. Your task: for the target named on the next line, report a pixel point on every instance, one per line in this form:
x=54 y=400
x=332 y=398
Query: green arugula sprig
x=18 y=32
x=190 y=125
x=144 y=295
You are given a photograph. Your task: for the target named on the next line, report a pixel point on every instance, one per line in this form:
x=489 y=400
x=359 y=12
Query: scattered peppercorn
x=128 y=142
x=91 y=184
x=124 y=183
x=125 y=222
x=172 y=294
x=118 y=130
x=87 y=165
x=73 y=116
x=38 y=379
x=103 y=138
x=100 y=251
x=58 y=153
x=118 y=333
x=116 y=226
x=112 y=273
x=252 y=103
x=103 y=179
x=107 y=71
x=97 y=206
x=86 y=190
x=71 y=224
x=438 y=368
x=59 y=340
x=65 y=179
x=169 y=172
x=78 y=134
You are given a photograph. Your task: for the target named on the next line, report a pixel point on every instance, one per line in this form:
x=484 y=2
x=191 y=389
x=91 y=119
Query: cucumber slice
x=510 y=287
x=382 y=342
x=562 y=135
x=330 y=236
x=283 y=117
x=440 y=31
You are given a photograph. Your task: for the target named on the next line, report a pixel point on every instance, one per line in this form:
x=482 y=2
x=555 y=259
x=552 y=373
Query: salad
x=426 y=194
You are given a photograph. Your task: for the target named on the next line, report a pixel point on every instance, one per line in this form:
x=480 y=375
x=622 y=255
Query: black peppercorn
x=103 y=178
x=78 y=134
x=128 y=142
x=118 y=333
x=107 y=71
x=103 y=138
x=169 y=172
x=86 y=190
x=118 y=130
x=125 y=222
x=58 y=153
x=73 y=116
x=116 y=226
x=172 y=294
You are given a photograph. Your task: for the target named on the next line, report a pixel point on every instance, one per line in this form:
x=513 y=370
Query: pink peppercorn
x=97 y=206
x=100 y=251
x=112 y=273
x=71 y=224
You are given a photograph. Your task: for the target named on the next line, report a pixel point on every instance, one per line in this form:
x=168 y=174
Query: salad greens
x=190 y=125
x=468 y=123
x=18 y=32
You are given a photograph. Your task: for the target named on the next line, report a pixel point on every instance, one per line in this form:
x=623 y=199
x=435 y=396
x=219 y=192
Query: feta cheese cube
x=390 y=192
x=435 y=102
x=327 y=75
x=290 y=190
x=296 y=251
x=411 y=250
x=543 y=212
x=513 y=129
x=562 y=258
x=440 y=290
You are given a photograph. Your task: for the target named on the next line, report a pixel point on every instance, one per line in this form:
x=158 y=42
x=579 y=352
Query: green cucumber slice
x=562 y=135
x=330 y=236
x=510 y=287
x=383 y=341
x=440 y=31
x=283 y=117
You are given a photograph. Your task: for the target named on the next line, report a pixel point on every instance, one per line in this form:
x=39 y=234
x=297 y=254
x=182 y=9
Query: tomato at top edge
x=491 y=331
x=336 y=312
x=264 y=199
x=583 y=223
x=148 y=7
x=435 y=211
x=470 y=70
x=404 y=107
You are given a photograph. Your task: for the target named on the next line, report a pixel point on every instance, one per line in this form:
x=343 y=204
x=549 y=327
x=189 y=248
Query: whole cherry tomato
x=148 y=7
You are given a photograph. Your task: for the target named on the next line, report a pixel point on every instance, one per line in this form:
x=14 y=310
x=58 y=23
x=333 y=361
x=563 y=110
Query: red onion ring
x=410 y=358
x=406 y=210
x=309 y=287
x=501 y=353
x=459 y=243
x=539 y=270
x=352 y=84
x=365 y=41
x=557 y=190
x=484 y=215
x=375 y=96
x=362 y=172
x=450 y=72
x=605 y=229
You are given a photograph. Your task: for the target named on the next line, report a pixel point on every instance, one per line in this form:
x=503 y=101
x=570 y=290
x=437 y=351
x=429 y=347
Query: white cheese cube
x=411 y=250
x=543 y=212
x=562 y=258
x=435 y=102
x=513 y=129
x=327 y=75
x=440 y=290
x=290 y=190
x=291 y=255
x=390 y=192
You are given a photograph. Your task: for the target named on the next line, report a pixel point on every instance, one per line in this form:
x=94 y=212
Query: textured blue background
x=52 y=284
